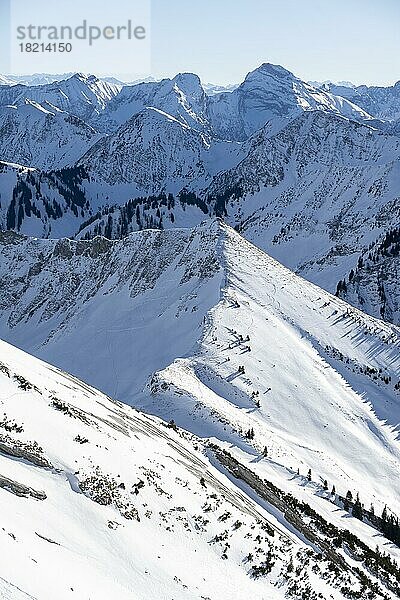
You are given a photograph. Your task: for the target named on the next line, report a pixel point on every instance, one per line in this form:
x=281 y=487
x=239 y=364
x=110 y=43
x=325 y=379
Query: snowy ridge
x=294 y=329
x=164 y=320
x=43 y=137
x=304 y=174
x=116 y=313
x=81 y=95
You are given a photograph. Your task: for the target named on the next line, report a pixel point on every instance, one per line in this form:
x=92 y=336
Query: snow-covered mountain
x=312 y=187
x=83 y=96
x=213 y=88
x=181 y=97
x=98 y=500
x=34 y=79
x=267 y=92
x=155 y=152
x=314 y=191
x=205 y=330
x=35 y=136
x=379 y=101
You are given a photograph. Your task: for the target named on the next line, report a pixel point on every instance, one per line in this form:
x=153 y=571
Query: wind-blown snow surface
x=177 y=302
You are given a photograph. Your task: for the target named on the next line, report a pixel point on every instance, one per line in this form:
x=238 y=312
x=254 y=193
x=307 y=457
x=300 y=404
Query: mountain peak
x=269 y=70
x=189 y=83
x=84 y=77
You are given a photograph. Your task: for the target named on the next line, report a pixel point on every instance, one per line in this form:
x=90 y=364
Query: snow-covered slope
x=373 y=284
x=181 y=97
x=380 y=102
x=114 y=312
x=201 y=327
x=81 y=95
x=267 y=92
x=42 y=204
x=100 y=501
x=155 y=152
x=39 y=137
x=306 y=357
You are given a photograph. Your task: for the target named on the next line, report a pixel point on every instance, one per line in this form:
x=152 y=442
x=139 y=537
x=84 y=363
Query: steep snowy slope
x=115 y=312
x=238 y=351
x=308 y=387
x=100 y=501
x=151 y=284
x=34 y=136
x=155 y=152
x=373 y=284
x=81 y=95
x=41 y=204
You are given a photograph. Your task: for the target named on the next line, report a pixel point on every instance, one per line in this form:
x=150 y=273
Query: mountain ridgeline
x=306 y=173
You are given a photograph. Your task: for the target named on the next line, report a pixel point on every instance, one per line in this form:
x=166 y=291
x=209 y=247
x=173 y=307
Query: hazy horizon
x=124 y=78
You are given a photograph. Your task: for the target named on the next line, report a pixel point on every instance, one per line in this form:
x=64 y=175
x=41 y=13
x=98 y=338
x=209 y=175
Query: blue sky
x=221 y=40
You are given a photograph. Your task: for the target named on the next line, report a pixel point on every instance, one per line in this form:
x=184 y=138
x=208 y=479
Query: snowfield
x=99 y=501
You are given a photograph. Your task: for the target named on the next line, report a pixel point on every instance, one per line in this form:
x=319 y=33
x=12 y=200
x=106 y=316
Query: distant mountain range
x=309 y=175
x=199 y=339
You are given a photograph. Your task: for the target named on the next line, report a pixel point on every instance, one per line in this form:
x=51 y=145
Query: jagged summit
x=187 y=80
x=269 y=69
